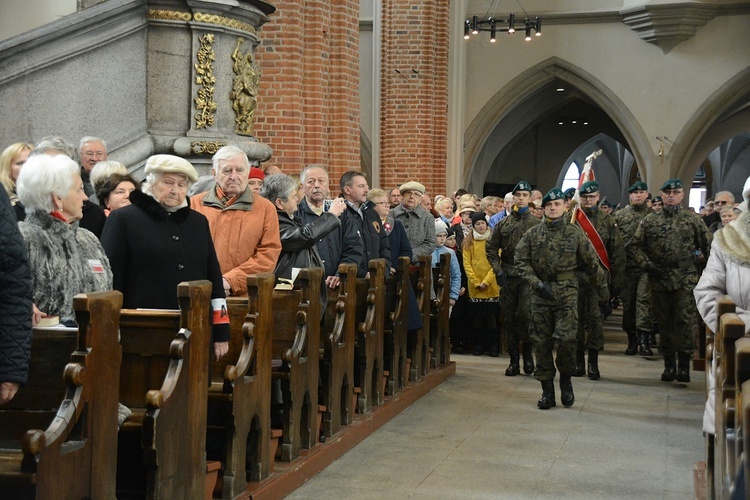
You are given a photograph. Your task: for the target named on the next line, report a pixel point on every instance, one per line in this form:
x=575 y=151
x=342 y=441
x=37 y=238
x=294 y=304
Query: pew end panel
x=418 y=345
x=395 y=333
x=371 y=319
x=440 y=313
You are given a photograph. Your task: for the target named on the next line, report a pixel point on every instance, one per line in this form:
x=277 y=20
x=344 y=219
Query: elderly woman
x=101 y=172
x=11 y=161
x=114 y=192
x=65 y=259
x=158 y=241
x=298 y=240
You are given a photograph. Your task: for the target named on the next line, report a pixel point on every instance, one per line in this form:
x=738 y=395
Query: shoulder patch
x=376 y=225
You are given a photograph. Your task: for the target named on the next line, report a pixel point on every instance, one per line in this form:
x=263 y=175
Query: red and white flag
x=580 y=218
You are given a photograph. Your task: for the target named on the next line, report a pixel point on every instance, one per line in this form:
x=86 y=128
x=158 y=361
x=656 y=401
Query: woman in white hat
x=158 y=241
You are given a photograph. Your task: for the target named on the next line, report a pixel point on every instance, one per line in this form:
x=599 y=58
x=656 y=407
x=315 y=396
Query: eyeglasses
x=382 y=203
x=722 y=202
x=672 y=192
x=588 y=196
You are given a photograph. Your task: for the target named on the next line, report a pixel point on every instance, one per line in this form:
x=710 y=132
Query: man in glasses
x=665 y=247
x=722 y=200
x=92 y=150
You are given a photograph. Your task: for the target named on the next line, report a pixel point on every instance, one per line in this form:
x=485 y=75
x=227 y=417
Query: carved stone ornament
x=204 y=77
x=201 y=17
x=205 y=147
x=244 y=89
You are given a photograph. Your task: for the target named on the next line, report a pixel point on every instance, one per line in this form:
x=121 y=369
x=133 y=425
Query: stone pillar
x=203 y=78
x=414 y=93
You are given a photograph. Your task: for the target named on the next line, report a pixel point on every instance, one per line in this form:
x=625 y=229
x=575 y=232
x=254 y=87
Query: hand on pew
x=220 y=349
x=36 y=316
x=333 y=281
x=7 y=391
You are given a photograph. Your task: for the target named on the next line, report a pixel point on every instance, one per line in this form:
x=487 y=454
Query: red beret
x=256 y=173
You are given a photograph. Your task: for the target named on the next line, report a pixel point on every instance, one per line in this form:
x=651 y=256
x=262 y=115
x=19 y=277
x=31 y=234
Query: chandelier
x=495 y=25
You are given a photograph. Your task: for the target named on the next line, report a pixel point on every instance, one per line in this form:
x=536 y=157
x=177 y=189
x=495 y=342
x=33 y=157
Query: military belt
x=560 y=276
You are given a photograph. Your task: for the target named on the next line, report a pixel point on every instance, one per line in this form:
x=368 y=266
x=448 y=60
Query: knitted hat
x=476 y=217
x=170 y=164
x=440 y=227
x=256 y=173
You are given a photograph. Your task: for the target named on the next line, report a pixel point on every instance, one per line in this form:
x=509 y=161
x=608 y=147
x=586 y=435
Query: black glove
x=543 y=290
x=605 y=308
x=655 y=271
x=500 y=278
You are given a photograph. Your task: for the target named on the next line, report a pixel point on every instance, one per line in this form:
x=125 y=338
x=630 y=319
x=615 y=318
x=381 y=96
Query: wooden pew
x=58 y=433
x=296 y=337
x=240 y=392
x=440 y=313
x=368 y=368
x=418 y=343
x=164 y=380
x=337 y=352
x=394 y=347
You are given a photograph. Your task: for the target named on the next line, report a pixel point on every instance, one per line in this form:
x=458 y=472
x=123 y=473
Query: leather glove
x=501 y=278
x=605 y=308
x=543 y=290
x=655 y=271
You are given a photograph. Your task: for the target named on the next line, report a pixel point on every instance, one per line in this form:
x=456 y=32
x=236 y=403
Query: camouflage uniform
x=552 y=253
x=590 y=325
x=637 y=313
x=515 y=294
x=665 y=245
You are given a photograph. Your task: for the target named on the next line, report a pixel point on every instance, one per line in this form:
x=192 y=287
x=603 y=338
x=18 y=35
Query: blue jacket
x=455 y=269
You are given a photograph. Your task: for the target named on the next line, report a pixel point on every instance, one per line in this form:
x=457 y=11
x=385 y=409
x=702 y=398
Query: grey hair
x=51 y=143
x=443 y=201
x=487 y=201
x=43 y=175
x=227 y=153
x=508 y=197
x=88 y=138
x=148 y=183
x=303 y=174
x=278 y=186
x=727 y=193
x=106 y=169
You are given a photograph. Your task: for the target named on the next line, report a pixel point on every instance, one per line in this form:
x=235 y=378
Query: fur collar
x=154 y=209
x=734 y=239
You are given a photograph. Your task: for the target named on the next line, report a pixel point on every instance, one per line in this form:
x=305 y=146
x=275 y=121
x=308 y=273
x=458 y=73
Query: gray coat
x=65 y=260
x=420 y=228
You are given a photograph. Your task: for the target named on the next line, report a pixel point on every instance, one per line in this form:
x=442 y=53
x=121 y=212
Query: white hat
x=170 y=164
x=412 y=186
x=440 y=227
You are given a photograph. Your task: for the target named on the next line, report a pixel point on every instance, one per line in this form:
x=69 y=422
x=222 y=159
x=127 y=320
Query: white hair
x=106 y=169
x=50 y=143
x=88 y=138
x=41 y=177
x=153 y=177
x=303 y=174
x=508 y=197
x=227 y=153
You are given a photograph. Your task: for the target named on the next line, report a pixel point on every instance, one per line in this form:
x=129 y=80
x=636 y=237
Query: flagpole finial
x=590 y=158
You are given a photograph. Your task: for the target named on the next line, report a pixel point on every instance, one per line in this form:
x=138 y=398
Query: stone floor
x=479 y=435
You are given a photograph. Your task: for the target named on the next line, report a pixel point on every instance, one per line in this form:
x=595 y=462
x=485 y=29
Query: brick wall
x=308 y=106
x=414 y=93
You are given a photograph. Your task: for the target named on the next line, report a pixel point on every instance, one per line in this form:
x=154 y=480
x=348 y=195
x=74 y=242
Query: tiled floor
x=479 y=435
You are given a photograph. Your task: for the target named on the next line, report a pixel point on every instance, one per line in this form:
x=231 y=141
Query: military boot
x=669 y=373
x=683 y=367
x=528 y=358
x=566 y=391
x=653 y=341
x=632 y=349
x=513 y=369
x=644 y=348
x=594 y=364
x=547 y=400
x=580 y=370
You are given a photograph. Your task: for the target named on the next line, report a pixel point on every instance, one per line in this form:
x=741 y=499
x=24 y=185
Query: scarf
x=480 y=237
x=225 y=199
x=734 y=239
x=465 y=229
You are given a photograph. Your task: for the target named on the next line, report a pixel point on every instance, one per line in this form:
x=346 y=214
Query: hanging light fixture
x=494 y=24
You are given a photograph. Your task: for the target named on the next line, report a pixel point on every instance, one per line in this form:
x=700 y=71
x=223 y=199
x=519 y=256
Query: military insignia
x=376 y=225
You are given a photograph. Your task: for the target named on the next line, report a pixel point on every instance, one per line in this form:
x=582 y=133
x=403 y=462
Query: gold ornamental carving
x=244 y=89
x=204 y=77
x=201 y=17
x=168 y=15
x=205 y=147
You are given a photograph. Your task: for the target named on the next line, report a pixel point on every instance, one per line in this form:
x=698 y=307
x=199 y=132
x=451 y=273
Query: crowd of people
x=543 y=269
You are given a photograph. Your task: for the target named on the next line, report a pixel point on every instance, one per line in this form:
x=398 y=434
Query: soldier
x=569 y=194
x=590 y=330
x=515 y=296
x=637 y=316
x=664 y=246
x=657 y=204
x=548 y=256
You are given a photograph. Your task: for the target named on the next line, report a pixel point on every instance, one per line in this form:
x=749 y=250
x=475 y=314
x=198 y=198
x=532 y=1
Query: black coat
x=15 y=298
x=151 y=251
x=298 y=242
x=373 y=237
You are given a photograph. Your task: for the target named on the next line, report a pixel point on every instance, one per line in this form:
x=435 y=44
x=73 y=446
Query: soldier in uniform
x=548 y=256
x=515 y=294
x=657 y=204
x=590 y=328
x=665 y=247
x=637 y=317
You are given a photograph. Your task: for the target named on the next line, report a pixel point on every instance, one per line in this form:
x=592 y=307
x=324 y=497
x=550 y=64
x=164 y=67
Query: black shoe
x=528 y=359
x=632 y=349
x=644 y=349
x=566 y=391
x=494 y=351
x=512 y=370
x=580 y=369
x=547 y=400
x=669 y=373
x=478 y=350
x=683 y=367
x=594 y=364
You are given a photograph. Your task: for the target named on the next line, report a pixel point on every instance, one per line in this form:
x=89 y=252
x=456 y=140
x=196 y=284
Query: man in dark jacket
x=362 y=215
x=342 y=245
x=15 y=304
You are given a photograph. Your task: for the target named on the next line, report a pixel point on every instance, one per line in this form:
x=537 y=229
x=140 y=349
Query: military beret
x=638 y=186
x=605 y=203
x=649 y=196
x=412 y=186
x=590 y=187
x=522 y=186
x=553 y=194
x=568 y=194
x=656 y=199
x=671 y=184
x=170 y=164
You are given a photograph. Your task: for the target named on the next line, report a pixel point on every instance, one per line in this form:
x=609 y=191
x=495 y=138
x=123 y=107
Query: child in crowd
x=441 y=235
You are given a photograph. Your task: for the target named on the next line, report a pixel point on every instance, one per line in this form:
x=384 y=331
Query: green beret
x=656 y=199
x=605 y=203
x=671 y=184
x=522 y=186
x=553 y=194
x=590 y=187
x=569 y=193
x=638 y=186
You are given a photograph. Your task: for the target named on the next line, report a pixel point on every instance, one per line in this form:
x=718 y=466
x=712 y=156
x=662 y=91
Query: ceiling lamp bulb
x=467 y=29
x=475 y=25
x=511 y=23
x=528 y=34
x=538 y=27
x=493 y=31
